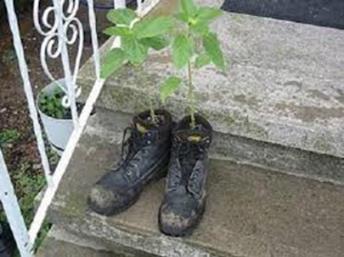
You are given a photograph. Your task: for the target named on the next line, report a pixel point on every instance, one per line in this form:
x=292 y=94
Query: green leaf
x=117 y=31
x=135 y=51
x=112 y=62
x=188 y=7
x=182 y=17
x=169 y=87
x=206 y=14
x=212 y=47
x=121 y=16
x=182 y=51
x=153 y=27
x=202 y=60
x=200 y=28
x=157 y=43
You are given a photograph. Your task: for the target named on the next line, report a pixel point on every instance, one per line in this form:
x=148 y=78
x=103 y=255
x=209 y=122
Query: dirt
x=13 y=107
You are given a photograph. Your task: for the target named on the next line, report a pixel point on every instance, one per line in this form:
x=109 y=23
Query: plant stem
x=152 y=113
x=191 y=96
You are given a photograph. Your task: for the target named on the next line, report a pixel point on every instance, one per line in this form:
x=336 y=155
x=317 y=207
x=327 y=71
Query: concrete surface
x=59 y=243
x=283 y=85
x=317 y=12
x=243 y=150
x=251 y=212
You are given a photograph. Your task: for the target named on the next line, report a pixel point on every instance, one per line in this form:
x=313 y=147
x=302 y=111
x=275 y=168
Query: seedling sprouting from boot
x=137 y=37
x=194 y=46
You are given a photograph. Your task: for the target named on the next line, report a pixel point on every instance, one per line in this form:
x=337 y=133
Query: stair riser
x=243 y=150
x=117 y=240
x=88 y=240
x=283 y=159
x=60 y=242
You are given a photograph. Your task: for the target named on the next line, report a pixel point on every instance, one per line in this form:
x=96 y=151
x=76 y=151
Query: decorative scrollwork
x=62 y=14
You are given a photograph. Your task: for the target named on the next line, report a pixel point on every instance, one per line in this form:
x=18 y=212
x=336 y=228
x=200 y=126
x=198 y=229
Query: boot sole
x=157 y=173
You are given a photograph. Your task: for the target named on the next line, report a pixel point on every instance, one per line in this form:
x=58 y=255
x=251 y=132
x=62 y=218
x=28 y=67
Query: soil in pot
x=51 y=105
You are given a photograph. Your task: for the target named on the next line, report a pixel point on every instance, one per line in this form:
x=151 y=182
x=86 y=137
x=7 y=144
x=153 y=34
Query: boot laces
x=130 y=146
x=188 y=154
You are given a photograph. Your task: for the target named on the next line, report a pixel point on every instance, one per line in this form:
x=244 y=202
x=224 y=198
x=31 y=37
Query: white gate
x=64 y=13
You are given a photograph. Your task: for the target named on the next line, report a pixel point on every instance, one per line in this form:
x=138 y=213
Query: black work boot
x=185 y=196
x=145 y=159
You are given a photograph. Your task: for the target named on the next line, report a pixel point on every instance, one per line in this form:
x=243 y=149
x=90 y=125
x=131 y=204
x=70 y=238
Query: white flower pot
x=58 y=130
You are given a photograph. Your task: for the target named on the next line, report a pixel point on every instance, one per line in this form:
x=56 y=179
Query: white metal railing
x=55 y=45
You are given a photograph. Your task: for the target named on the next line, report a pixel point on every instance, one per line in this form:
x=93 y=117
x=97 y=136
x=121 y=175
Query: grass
x=27 y=182
x=9 y=136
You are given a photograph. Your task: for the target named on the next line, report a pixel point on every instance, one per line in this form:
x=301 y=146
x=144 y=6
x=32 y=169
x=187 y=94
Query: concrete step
x=60 y=243
x=251 y=212
x=317 y=12
x=280 y=105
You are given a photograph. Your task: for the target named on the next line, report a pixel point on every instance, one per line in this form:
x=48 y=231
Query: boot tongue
x=141 y=128
x=143 y=125
x=188 y=152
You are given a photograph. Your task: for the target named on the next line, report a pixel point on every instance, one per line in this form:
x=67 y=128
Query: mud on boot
x=185 y=195
x=145 y=157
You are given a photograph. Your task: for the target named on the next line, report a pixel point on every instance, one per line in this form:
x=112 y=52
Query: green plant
x=27 y=185
x=137 y=37
x=51 y=104
x=9 y=136
x=194 y=46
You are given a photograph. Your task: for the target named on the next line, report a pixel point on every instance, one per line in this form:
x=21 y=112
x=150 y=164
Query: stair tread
x=250 y=212
x=283 y=84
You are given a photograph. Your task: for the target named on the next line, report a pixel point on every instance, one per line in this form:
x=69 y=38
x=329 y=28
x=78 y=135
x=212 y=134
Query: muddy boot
x=185 y=195
x=145 y=157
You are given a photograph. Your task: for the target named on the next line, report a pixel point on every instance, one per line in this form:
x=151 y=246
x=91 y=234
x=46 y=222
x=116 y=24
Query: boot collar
x=142 y=124
x=202 y=133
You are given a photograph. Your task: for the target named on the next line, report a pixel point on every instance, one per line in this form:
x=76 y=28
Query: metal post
x=12 y=211
x=139 y=6
x=62 y=34
x=93 y=26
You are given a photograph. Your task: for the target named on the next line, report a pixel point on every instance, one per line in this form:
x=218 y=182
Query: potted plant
x=56 y=119
x=154 y=145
